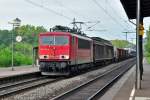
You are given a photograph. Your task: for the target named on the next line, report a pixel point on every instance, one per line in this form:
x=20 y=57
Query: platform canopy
x=130 y=8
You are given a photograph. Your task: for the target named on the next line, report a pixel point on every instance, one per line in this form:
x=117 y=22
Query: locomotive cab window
x=61 y=40
x=54 y=40
x=47 y=40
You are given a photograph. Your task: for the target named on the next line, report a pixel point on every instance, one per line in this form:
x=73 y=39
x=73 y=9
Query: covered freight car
x=102 y=50
x=120 y=54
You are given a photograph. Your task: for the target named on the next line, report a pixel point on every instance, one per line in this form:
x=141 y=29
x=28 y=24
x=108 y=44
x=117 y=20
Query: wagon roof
x=101 y=40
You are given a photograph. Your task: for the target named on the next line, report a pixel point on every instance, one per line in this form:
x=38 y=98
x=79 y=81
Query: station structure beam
x=138 y=9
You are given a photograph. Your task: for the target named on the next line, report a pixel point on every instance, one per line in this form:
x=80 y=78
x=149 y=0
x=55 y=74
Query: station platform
x=6 y=72
x=124 y=88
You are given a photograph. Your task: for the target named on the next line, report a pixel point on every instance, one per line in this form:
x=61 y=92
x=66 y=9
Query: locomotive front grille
x=53 y=66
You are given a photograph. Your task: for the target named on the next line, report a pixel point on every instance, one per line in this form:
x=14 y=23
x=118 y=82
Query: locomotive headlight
x=64 y=56
x=44 y=56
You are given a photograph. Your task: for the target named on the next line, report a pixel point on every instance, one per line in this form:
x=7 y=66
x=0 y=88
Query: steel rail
x=3 y=86
x=68 y=93
x=18 y=77
x=105 y=87
x=26 y=85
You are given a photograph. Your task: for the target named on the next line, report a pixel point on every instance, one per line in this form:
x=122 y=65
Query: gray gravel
x=51 y=90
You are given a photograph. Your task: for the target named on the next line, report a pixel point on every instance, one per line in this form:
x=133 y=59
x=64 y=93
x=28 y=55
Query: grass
x=148 y=59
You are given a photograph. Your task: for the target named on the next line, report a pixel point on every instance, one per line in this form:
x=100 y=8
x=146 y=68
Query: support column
x=138 y=63
x=141 y=32
x=139 y=45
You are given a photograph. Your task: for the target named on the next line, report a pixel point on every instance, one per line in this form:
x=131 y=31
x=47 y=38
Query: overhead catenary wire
x=116 y=21
x=92 y=25
x=48 y=9
x=60 y=14
x=108 y=14
x=53 y=11
x=70 y=9
x=80 y=15
x=125 y=21
x=120 y=17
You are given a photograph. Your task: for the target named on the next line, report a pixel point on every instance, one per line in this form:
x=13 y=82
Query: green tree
x=5 y=37
x=147 y=45
x=23 y=49
x=121 y=43
x=5 y=57
x=30 y=33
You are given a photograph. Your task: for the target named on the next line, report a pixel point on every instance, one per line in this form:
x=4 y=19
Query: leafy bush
x=5 y=57
x=147 y=45
x=19 y=58
x=148 y=59
x=22 y=50
x=121 y=43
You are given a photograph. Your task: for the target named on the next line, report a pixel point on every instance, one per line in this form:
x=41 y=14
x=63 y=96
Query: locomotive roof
x=102 y=40
x=69 y=33
x=54 y=33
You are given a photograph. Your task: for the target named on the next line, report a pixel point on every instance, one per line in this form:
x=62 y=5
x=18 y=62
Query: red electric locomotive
x=63 y=52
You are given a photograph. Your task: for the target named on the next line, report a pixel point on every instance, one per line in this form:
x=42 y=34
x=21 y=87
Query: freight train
x=64 y=52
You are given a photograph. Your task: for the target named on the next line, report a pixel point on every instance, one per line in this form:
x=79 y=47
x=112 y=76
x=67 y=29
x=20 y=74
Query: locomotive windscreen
x=54 y=40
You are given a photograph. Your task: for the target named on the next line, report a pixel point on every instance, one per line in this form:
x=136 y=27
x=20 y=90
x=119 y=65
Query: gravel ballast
x=51 y=90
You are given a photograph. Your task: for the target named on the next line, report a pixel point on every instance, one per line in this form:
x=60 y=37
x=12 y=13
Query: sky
x=48 y=13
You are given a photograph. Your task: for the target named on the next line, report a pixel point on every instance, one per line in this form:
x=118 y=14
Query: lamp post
x=15 y=23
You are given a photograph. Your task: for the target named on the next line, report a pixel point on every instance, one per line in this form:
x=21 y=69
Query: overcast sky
x=48 y=13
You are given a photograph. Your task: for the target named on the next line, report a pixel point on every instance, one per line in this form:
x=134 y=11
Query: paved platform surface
x=5 y=72
x=144 y=93
x=128 y=91
x=124 y=89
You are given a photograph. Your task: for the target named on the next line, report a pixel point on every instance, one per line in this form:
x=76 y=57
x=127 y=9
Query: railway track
x=16 y=84
x=93 y=89
x=22 y=85
x=19 y=77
